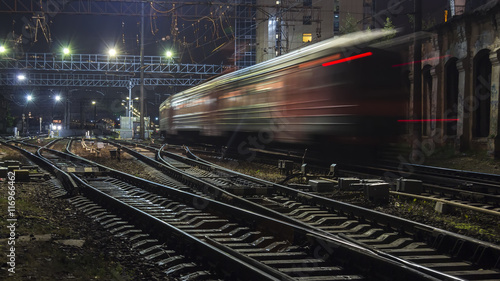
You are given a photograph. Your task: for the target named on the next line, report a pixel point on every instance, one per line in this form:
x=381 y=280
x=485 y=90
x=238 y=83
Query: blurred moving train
x=338 y=91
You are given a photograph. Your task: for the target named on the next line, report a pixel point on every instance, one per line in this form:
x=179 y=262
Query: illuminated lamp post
x=95 y=113
x=112 y=52
x=57 y=99
x=26 y=122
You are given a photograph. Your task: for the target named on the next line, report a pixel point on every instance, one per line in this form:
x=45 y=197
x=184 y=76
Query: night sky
x=195 y=41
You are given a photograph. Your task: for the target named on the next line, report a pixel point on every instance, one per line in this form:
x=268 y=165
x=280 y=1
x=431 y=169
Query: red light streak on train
x=348 y=59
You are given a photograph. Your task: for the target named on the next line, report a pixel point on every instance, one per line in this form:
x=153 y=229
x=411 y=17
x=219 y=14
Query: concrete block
x=13 y=167
x=442 y=207
x=321 y=185
x=345 y=183
x=378 y=191
x=22 y=175
x=8 y=163
x=409 y=186
x=3 y=172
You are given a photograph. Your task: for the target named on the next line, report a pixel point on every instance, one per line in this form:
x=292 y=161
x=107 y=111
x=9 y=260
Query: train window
x=306 y=37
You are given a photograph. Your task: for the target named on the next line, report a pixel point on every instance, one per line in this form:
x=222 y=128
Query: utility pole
x=142 y=75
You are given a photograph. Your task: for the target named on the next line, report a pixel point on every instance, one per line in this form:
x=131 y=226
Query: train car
x=340 y=90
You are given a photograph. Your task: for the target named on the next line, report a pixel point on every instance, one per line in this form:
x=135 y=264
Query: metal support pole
x=66 y=112
x=417 y=72
x=129 y=109
x=142 y=75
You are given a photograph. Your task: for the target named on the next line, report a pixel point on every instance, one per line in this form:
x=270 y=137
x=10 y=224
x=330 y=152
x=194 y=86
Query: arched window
x=451 y=96
x=482 y=94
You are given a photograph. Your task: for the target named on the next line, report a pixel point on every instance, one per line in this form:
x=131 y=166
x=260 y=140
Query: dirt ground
x=55 y=241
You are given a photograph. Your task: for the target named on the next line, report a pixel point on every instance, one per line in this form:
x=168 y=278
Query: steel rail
x=339 y=250
x=419 y=230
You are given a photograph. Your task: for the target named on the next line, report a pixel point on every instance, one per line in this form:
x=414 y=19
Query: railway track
x=417 y=245
x=479 y=192
x=209 y=238
x=476 y=191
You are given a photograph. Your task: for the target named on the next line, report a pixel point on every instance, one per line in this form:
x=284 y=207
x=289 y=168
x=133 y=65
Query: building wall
x=354 y=9
x=303 y=22
x=460 y=80
x=296 y=19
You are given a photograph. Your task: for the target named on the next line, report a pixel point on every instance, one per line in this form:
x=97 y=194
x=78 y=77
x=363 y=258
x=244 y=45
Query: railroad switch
x=331 y=173
x=285 y=167
x=303 y=170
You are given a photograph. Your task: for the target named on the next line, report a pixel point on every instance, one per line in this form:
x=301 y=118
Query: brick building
x=460 y=81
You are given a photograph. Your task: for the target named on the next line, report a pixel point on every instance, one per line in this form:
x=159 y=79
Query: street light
x=2 y=49
x=112 y=52
x=170 y=55
x=66 y=51
x=57 y=98
x=21 y=77
x=95 y=112
x=25 y=123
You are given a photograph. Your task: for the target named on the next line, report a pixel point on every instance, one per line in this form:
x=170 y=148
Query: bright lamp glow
x=2 y=49
x=66 y=51
x=169 y=54
x=21 y=77
x=57 y=98
x=29 y=97
x=93 y=102
x=112 y=52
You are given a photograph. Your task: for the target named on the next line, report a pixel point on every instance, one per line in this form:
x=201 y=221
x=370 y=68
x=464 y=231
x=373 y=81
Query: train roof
x=326 y=47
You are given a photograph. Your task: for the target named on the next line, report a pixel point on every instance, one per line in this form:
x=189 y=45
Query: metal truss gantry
x=90 y=80
x=106 y=63
x=94 y=70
